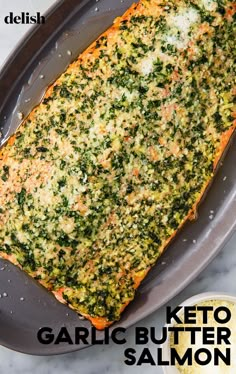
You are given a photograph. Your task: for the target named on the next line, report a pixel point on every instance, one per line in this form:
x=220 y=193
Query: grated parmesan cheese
x=182 y=21
x=147 y=65
x=209 y=5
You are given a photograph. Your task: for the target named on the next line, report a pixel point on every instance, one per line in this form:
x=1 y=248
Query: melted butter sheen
x=110 y=164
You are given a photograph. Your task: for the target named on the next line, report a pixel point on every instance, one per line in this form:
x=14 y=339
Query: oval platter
x=37 y=61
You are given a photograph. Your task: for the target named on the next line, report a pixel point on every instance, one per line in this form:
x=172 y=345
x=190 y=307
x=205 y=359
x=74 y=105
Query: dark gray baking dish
x=25 y=306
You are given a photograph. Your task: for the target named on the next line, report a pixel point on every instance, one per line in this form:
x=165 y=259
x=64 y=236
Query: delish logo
x=24 y=18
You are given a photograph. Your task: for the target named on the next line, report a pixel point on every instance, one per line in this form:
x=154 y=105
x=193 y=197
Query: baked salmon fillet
x=106 y=169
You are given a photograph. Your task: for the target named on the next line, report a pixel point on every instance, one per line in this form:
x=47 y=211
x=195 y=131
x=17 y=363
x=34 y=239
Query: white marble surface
x=219 y=276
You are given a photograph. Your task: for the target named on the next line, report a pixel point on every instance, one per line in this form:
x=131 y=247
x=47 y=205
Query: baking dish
x=36 y=62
